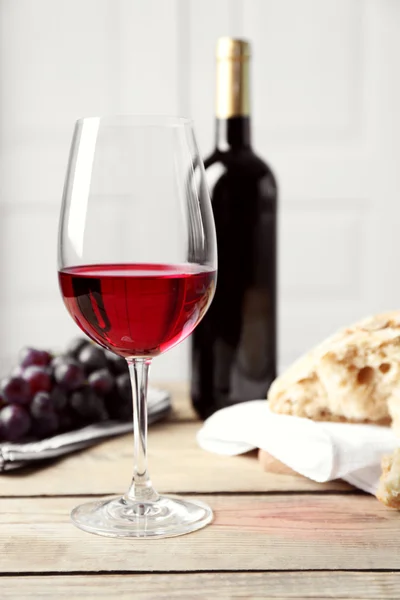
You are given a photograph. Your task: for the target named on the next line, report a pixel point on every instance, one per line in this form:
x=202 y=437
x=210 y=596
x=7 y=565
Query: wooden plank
x=249 y=533
x=177 y=464
x=224 y=586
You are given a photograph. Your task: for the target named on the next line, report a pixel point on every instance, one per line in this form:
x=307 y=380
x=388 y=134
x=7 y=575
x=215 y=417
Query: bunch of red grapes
x=48 y=394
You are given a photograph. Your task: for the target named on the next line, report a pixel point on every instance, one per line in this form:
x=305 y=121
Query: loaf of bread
x=352 y=376
x=389 y=485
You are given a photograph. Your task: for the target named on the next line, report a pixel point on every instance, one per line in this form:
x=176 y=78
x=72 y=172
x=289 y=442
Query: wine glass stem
x=141 y=488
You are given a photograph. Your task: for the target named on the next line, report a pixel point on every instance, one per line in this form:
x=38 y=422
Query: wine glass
x=137 y=271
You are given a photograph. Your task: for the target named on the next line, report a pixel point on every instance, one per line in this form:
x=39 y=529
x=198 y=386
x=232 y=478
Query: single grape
x=77 y=402
x=15 y=390
x=59 y=399
x=123 y=383
x=15 y=423
x=88 y=406
x=75 y=346
x=101 y=382
x=69 y=375
x=38 y=379
x=41 y=405
x=46 y=425
x=31 y=356
x=92 y=358
x=45 y=421
x=116 y=364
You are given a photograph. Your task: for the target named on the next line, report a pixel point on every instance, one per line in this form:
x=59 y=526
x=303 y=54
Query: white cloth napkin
x=320 y=451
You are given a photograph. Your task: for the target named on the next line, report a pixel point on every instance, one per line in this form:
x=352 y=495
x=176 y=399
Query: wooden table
x=274 y=535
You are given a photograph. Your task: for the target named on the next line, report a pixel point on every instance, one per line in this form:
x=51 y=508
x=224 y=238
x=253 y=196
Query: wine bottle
x=234 y=347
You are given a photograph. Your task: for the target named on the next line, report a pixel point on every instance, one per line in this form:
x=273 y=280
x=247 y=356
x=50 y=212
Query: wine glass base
x=122 y=517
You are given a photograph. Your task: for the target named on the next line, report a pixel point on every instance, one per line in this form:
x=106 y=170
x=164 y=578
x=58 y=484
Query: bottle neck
x=233 y=133
x=233 y=102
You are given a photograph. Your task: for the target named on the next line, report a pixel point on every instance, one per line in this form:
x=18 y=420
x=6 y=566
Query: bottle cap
x=232 y=78
x=232 y=49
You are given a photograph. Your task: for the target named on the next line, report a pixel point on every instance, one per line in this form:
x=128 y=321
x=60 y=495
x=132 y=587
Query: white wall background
x=326 y=105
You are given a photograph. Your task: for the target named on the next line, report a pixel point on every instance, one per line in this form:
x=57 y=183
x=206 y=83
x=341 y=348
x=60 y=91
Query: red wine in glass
x=137 y=309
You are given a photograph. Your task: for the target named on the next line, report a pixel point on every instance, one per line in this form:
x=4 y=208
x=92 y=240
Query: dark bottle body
x=234 y=347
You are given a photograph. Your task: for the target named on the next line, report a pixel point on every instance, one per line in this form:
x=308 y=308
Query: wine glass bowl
x=137 y=272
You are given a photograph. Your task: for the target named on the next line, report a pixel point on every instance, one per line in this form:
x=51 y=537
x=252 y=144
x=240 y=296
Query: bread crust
x=353 y=376
x=389 y=484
